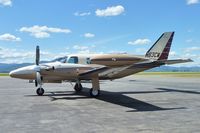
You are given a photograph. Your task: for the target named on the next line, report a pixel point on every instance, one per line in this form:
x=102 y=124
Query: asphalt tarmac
x=133 y=104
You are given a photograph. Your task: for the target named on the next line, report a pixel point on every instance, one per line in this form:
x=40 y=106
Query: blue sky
x=62 y=27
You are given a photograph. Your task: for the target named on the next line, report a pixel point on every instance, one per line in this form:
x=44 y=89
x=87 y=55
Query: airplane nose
x=13 y=74
x=23 y=73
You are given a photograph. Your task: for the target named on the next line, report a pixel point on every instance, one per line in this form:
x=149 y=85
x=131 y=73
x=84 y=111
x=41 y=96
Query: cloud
x=81 y=49
x=139 y=42
x=110 y=11
x=6 y=2
x=191 y=49
x=87 y=51
x=43 y=31
x=140 y=51
x=172 y=53
x=82 y=14
x=9 y=55
x=78 y=47
x=117 y=52
x=9 y=37
x=89 y=35
x=14 y=56
x=194 y=56
x=191 y=2
x=189 y=40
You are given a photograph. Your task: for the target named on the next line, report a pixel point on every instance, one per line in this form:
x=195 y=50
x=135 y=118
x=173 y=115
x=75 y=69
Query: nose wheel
x=40 y=91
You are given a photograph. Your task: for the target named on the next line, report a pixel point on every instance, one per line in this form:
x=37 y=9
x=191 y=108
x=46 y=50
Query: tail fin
x=160 y=49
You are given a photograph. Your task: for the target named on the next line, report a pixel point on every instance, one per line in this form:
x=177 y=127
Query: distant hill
x=6 y=68
x=175 y=69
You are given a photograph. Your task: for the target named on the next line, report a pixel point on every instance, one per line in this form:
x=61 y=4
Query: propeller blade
x=37 y=60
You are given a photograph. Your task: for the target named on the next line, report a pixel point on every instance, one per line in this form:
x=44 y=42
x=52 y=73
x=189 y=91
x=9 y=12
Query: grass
x=174 y=74
x=4 y=74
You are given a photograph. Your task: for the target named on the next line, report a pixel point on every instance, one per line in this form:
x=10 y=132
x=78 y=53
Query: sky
x=62 y=27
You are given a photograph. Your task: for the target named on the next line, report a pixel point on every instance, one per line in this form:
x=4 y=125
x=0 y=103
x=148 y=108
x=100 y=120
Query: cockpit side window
x=88 y=61
x=73 y=59
x=61 y=59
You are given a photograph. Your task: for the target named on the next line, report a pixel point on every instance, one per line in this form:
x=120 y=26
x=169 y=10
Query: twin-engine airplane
x=95 y=67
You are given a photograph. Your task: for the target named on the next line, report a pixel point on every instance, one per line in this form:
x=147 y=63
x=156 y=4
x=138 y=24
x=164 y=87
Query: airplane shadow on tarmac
x=117 y=98
x=182 y=91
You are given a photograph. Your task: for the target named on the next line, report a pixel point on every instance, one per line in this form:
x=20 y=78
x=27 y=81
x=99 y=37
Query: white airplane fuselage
x=70 y=71
x=95 y=67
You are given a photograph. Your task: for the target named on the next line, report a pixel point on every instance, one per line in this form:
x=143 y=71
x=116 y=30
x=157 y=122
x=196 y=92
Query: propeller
x=37 y=59
x=38 y=78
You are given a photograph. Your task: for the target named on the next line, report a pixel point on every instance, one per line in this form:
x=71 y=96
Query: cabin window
x=88 y=61
x=73 y=59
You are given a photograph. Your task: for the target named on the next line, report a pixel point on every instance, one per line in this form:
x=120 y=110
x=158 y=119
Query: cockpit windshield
x=61 y=59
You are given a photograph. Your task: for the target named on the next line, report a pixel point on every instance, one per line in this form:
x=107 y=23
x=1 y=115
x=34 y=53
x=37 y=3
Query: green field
x=173 y=74
x=4 y=74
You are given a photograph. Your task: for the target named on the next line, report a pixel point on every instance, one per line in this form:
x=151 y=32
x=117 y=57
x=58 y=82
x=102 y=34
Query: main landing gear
x=94 y=91
x=78 y=87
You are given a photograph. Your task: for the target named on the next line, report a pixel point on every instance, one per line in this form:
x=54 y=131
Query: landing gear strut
x=38 y=81
x=40 y=91
x=95 y=91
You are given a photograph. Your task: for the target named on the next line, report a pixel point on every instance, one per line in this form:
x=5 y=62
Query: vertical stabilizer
x=160 y=49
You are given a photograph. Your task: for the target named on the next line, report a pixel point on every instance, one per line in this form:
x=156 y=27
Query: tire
x=94 y=93
x=78 y=87
x=40 y=91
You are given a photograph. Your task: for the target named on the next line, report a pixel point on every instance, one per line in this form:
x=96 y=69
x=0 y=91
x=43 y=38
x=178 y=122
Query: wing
x=118 y=72
x=93 y=72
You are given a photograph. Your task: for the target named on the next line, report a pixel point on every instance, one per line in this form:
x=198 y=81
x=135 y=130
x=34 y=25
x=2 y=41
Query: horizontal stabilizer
x=152 y=64
x=176 y=61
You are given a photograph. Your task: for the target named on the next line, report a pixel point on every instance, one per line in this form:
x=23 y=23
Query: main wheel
x=40 y=91
x=94 y=93
x=78 y=87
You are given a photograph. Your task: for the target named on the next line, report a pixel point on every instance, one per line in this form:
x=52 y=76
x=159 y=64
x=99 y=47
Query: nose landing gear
x=40 y=91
